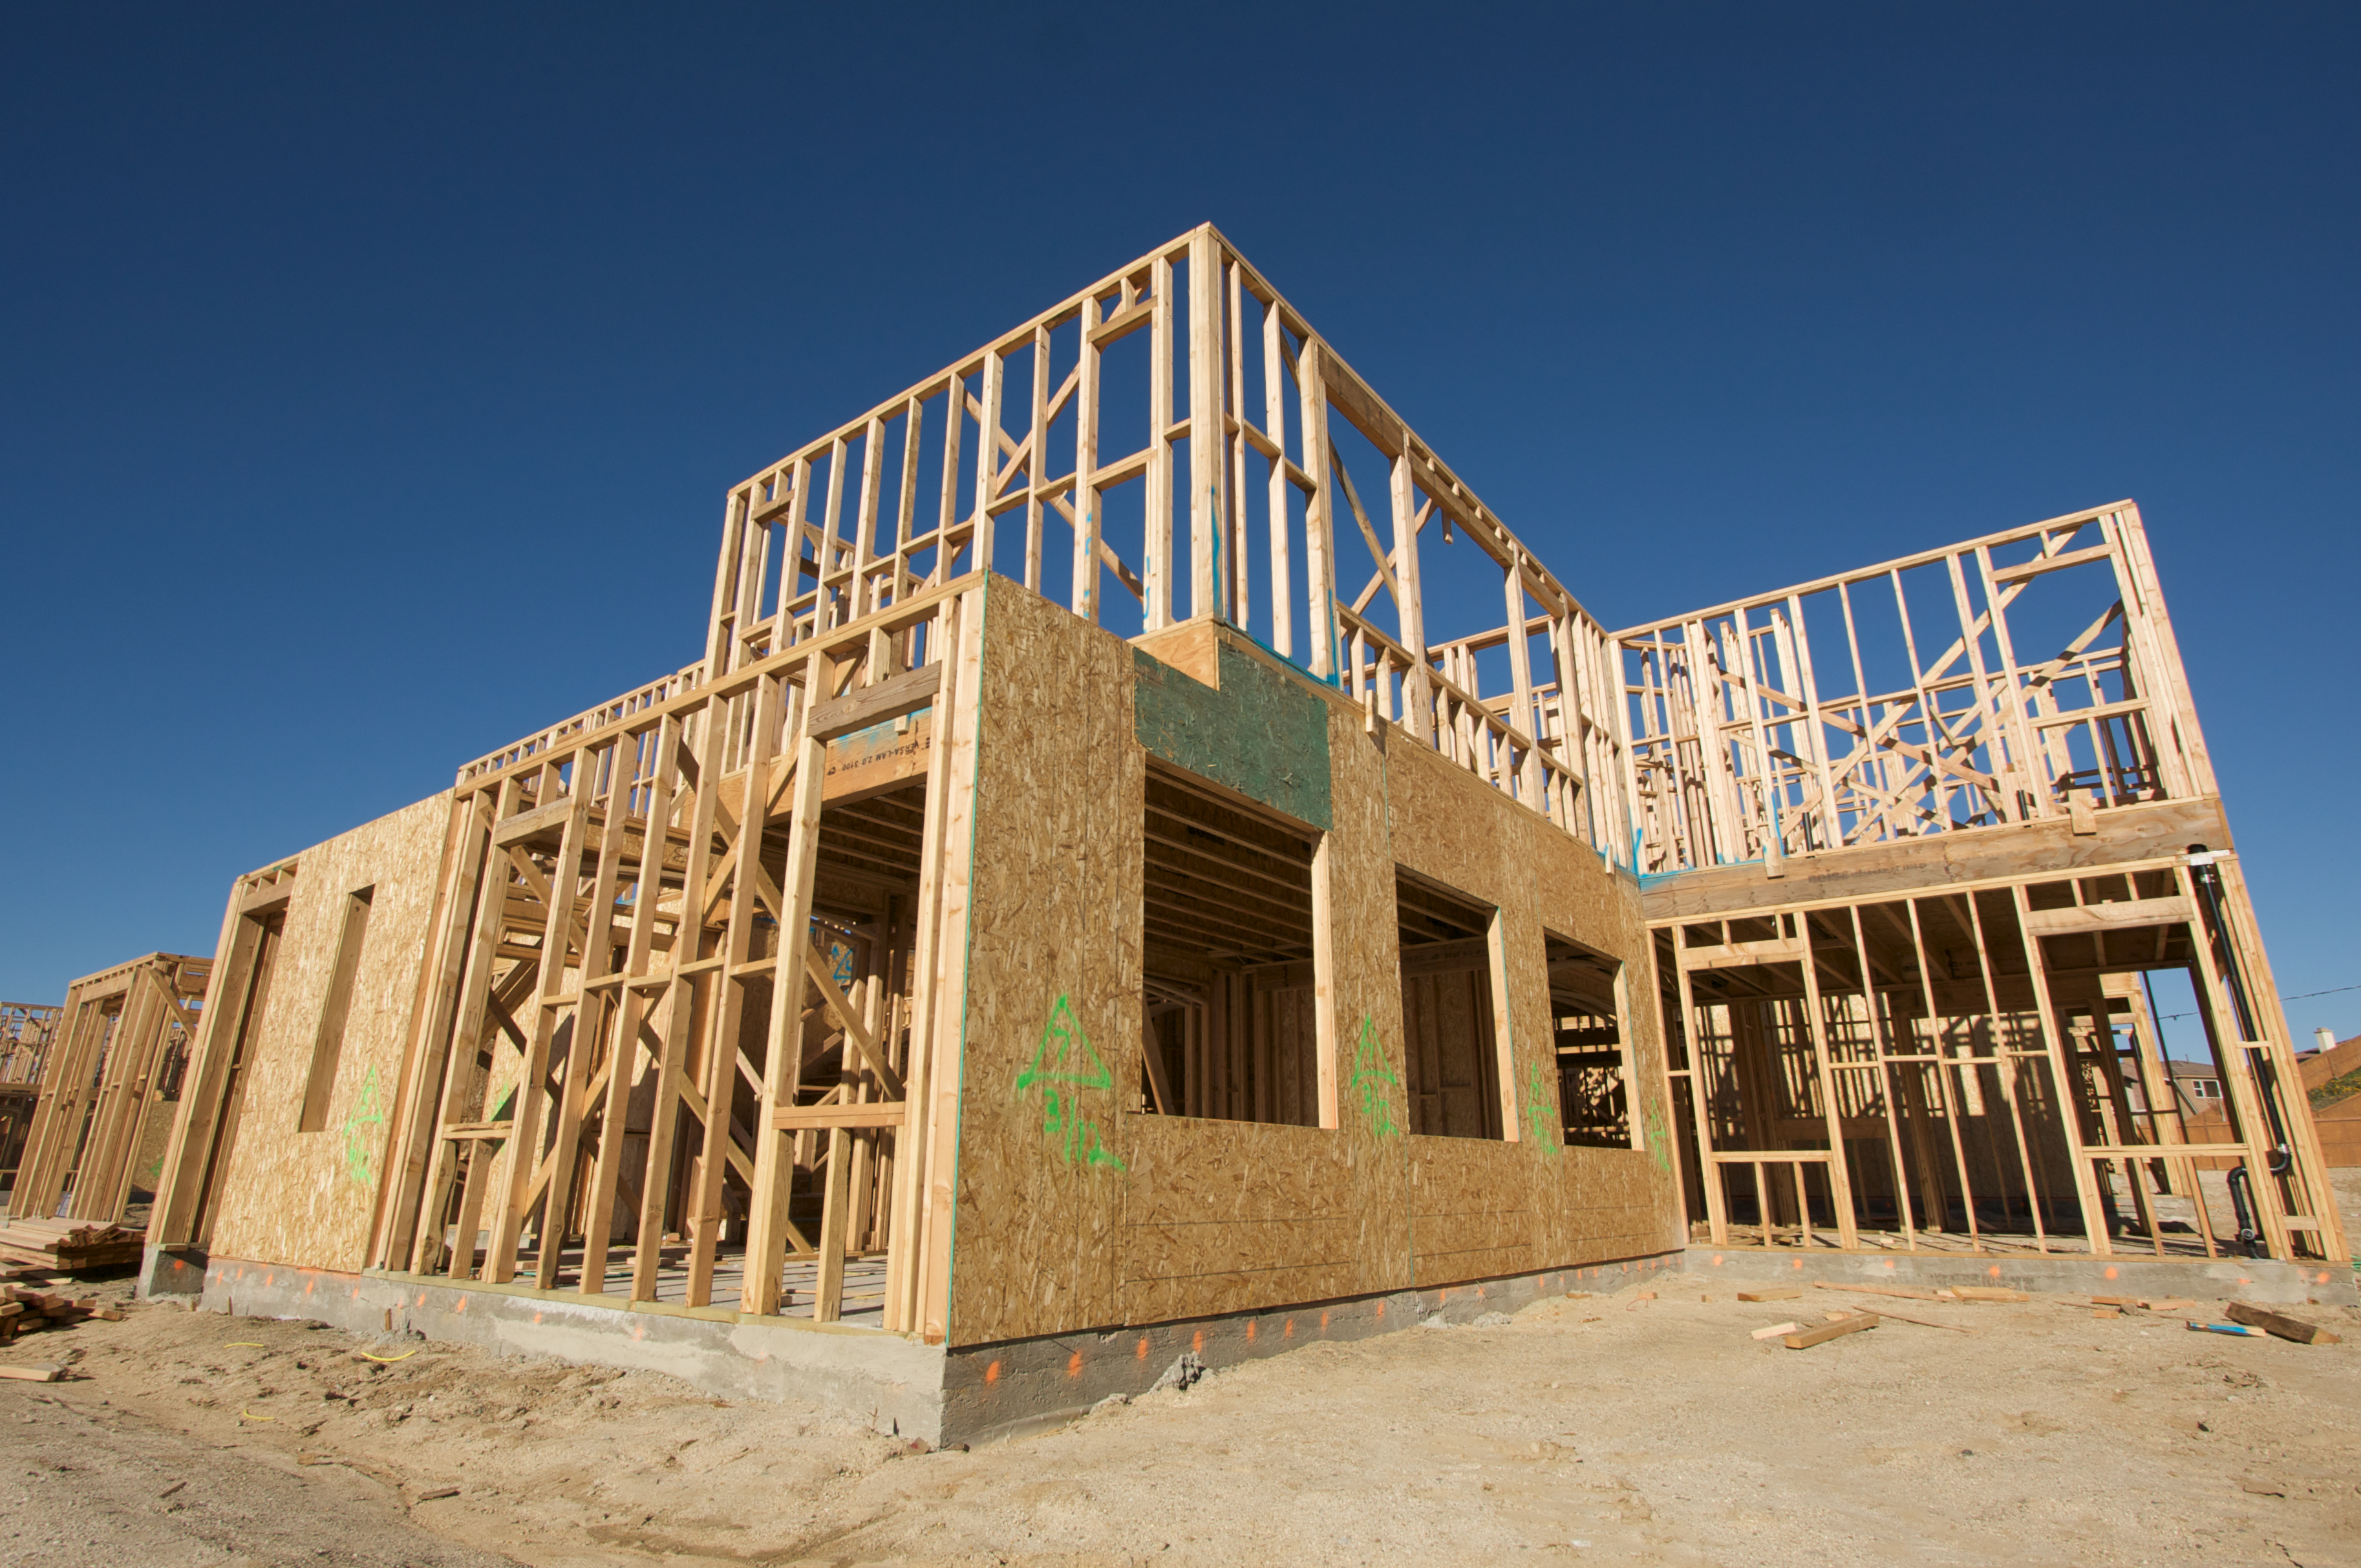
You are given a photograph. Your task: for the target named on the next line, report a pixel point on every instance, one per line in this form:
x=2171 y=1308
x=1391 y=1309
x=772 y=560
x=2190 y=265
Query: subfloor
x=2181 y=1232
x=1622 y=1429
x=865 y=1281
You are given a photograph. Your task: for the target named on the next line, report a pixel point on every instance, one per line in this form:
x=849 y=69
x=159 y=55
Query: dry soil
x=1614 y=1429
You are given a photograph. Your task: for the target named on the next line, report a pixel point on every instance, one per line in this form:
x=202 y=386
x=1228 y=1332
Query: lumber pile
x=24 y=1312
x=65 y=1246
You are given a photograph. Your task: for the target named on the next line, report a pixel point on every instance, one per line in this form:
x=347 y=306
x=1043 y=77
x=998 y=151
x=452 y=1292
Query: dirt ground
x=1610 y=1429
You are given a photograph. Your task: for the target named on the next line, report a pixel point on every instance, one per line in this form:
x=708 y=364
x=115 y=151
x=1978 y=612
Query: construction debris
x=64 y=1246
x=2278 y=1325
x=1821 y=1335
x=1776 y=1293
x=24 y=1312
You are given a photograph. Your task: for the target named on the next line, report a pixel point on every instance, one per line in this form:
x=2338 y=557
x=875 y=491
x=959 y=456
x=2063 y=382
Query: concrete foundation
x=891 y=1382
x=1002 y=1389
x=894 y=1383
x=2200 y=1279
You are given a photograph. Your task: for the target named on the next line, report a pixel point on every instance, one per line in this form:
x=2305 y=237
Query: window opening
x=1450 y=998
x=329 y=1045
x=1231 y=1031
x=1594 y=1051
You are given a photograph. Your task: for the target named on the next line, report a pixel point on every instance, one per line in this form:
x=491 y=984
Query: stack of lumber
x=64 y=1246
x=24 y=1312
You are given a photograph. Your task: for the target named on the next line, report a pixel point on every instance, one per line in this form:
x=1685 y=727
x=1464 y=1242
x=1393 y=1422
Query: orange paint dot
x=1716 y=1260
x=1198 y=1344
x=1323 y=1322
x=1994 y=1271
x=422 y=1298
x=1381 y=1309
x=308 y=1284
x=1074 y=1364
x=268 y=1277
x=2112 y=1271
x=536 y=1317
x=1250 y=1330
x=1141 y=1353
x=991 y=1375
x=1289 y=1331
x=1480 y=1292
x=1799 y=1263
x=462 y=1306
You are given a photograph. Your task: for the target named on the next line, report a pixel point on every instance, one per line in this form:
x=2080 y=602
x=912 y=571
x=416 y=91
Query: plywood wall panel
x=1052 y=1010
x=310 y=1198
x=1366 y=1010
x=1092 y=1213
x=1472 y=1206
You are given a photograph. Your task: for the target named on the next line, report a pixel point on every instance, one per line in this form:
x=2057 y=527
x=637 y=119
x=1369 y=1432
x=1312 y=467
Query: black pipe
x=2209 y=896
x=2242 y=1202
x=2208 y=883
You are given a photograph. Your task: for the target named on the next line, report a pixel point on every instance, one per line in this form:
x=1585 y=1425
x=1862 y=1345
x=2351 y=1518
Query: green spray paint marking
x=1659 y=1147
x=1375 y=1081
x=1065 y=1056
x=359 y=1146
x=1537 y=1114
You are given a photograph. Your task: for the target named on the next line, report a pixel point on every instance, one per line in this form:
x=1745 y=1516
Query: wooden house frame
x=123 y=1040
x=26 y=1031
x=948 y=954
x=1944 y=881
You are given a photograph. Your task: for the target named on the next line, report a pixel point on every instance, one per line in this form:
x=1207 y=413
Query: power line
x=2300 y=996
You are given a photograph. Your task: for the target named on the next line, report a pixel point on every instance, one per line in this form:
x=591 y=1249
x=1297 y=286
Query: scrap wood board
x=64 y=1246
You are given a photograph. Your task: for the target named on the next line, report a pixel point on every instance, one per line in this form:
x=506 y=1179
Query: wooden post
x=1208 y=432
x=1085 y=585
x=773 y=1163
x=1155 y=571
x=1319 y=516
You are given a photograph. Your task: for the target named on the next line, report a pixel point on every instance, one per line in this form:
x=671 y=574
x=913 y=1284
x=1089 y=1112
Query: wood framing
x=27 y=1031
x=1003 y=932
x=112 y=1078
x=1906 y=897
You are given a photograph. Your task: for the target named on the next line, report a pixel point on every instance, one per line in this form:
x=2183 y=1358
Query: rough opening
x=328 y=1045
x=1594 y=1047
x=1450 y=1047
x=1231 y=1031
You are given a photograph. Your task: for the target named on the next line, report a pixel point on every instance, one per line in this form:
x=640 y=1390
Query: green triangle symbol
x=1065 y=1055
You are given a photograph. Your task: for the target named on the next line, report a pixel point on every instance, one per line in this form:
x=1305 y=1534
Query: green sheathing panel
x=1262 y=734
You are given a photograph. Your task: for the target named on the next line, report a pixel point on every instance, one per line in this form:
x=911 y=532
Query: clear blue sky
x=343 y=354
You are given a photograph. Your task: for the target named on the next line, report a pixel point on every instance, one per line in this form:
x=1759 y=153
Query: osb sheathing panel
x=1054 y=972
x=1222 y=1216
x=1474 y=1209
x=308 y=1198
x=1082 y=1212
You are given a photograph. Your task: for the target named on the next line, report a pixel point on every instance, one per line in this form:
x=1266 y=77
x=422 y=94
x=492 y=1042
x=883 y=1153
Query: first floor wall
x=1076 y=1207
x=300 y=1189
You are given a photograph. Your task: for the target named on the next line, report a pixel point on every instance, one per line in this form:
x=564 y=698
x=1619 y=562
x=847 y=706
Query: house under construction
x=1076 y=911
x=105 y=1080
x=27 y=1029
